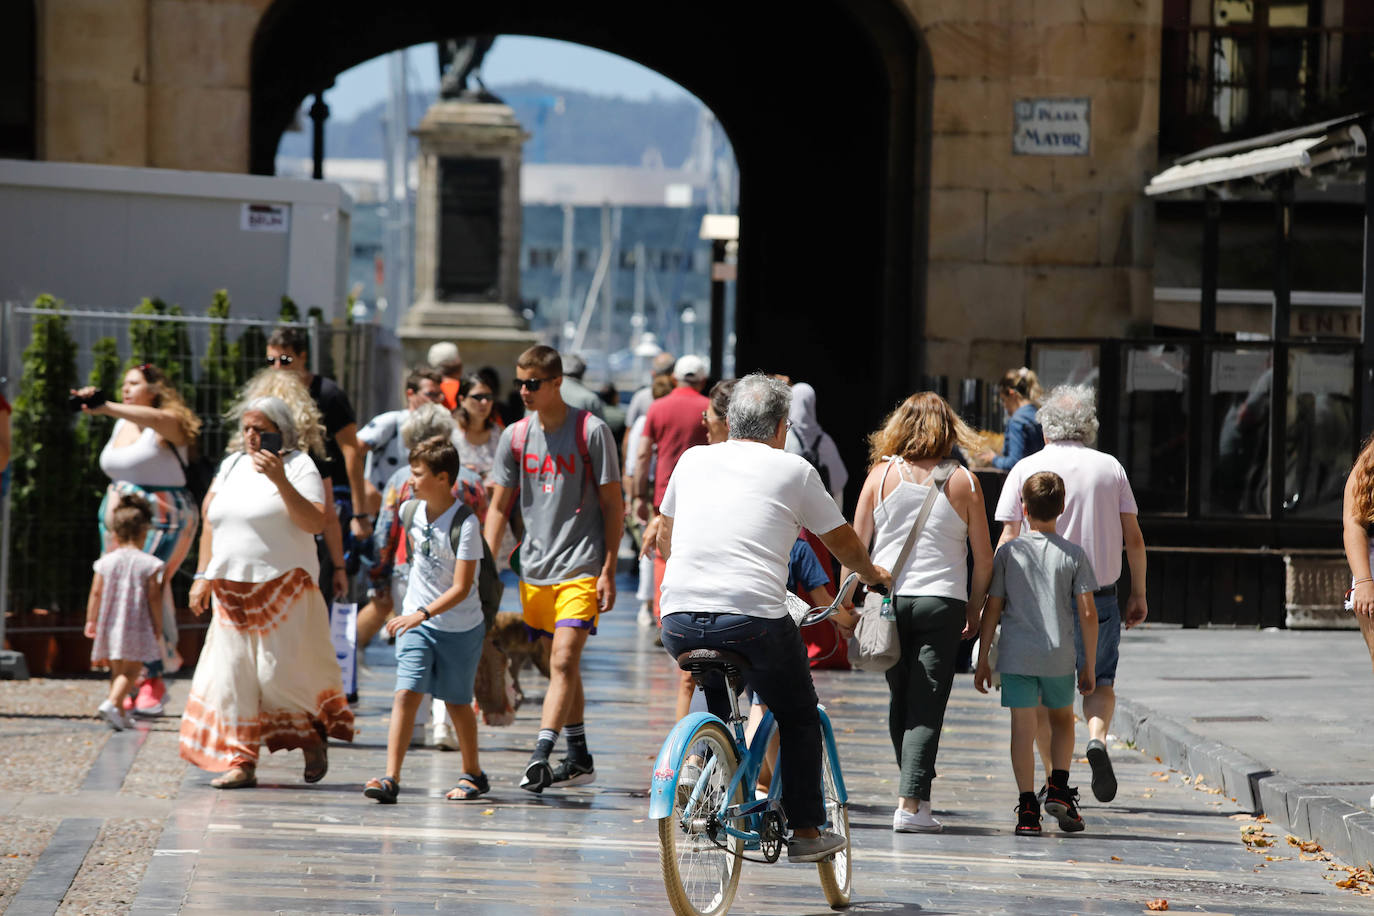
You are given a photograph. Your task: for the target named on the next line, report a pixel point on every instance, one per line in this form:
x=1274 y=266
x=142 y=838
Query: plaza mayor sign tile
x=1051 y=127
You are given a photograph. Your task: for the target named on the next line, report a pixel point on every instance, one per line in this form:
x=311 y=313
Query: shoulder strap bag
x=875 y=645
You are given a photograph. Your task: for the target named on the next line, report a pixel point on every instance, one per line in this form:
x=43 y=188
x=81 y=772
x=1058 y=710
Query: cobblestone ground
x=159 y=839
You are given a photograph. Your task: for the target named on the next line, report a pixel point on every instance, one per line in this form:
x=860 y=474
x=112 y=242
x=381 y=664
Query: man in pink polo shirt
x=673 y=424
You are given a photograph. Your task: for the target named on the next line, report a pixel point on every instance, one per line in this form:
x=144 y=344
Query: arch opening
x=827 y=110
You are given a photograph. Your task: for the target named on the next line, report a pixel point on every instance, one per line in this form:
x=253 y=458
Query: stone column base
x=1315 y=593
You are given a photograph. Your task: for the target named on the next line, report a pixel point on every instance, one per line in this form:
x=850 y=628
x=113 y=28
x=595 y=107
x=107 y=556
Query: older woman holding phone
x=257 y=571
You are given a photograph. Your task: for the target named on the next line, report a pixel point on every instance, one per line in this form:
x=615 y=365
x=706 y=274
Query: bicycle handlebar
x=817 y=614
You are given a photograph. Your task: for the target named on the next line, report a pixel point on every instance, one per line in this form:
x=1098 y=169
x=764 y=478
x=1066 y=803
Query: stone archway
x=826 y=105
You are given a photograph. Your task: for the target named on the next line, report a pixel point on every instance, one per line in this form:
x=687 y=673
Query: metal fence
x=48 y=534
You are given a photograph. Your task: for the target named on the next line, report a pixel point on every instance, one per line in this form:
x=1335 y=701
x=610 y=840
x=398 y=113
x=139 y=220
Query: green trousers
x=929 y=631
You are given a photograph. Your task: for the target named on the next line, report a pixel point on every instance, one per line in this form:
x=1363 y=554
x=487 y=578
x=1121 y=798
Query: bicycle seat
x=703 y=661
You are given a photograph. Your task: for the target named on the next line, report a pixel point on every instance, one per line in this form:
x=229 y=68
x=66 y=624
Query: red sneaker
x=150 y=696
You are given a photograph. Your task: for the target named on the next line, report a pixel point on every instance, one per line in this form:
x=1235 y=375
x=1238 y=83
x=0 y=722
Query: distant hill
x=591 y=130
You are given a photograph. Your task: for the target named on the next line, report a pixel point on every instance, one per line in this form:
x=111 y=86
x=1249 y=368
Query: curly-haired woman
x=933 y=599
x=146 y=456
x=1357 y=515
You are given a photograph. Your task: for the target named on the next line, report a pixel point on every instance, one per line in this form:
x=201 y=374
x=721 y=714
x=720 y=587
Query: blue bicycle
x=703 y=794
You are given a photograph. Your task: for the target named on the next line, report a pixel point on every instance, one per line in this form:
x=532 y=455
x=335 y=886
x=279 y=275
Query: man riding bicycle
x=729 y=517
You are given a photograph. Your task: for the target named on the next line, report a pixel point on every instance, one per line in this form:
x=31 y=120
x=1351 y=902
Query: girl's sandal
x=237 y=778
x=384 y=790
x=316 y=763
x=476 y=787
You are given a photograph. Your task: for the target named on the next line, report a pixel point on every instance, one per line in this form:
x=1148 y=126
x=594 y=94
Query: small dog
x=508 y=631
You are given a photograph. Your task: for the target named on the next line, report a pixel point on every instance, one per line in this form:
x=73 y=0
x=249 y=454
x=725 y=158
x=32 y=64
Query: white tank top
x=938 y=564
x=145 y=461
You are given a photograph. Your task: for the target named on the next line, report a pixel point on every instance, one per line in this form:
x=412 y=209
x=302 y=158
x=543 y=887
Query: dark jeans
x=928 y=629
x=779 y=674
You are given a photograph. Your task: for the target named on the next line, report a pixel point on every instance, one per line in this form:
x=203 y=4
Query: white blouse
x=254 y=537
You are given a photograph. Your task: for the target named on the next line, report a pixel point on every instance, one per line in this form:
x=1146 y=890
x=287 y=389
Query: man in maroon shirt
x=673 y=424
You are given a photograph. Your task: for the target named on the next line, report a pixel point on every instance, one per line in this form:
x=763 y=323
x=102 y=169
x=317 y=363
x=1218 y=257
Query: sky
x=513 y=58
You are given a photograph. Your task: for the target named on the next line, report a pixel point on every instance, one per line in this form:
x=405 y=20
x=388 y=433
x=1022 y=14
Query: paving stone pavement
x=287 y=847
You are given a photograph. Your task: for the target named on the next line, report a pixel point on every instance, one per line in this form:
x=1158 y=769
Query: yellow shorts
x=563 y=604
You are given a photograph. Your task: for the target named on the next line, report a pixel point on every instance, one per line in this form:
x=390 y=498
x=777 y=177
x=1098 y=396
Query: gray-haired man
x=1100 y=515
x=729 y=518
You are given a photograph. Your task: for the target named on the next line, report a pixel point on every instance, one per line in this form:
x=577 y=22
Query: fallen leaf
x=1263 y=819
x=1278 y=858
x=1304 y=845
x=1159 y=760
x=1164 y=778
x=1116 y=858
x=489 y=812
x=502 y=843
x=639 y=820
x=1158 y=904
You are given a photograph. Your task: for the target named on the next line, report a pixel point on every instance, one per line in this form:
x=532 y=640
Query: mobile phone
x=94 y=400
x=270 y=442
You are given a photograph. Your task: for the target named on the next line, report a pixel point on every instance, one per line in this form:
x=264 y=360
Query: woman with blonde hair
x=1357 y=516
x=267 y=674
x=1020 y=392
x=931 y=595
x=146 y=456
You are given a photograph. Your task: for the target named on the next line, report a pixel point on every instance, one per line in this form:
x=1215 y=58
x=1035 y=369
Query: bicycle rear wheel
x=700 y=861
x=837 y=872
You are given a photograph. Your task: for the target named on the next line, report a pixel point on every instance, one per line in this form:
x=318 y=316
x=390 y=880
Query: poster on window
x=1323 y=373
x=1065 y=366
x=1236 y=371
x=1155 y=369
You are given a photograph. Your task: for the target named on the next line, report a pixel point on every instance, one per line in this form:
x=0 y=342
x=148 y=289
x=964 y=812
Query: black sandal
x=480 y=786
x=383 y=790
x=316 y=763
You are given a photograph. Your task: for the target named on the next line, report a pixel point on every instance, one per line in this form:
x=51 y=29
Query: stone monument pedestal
x=467 y=237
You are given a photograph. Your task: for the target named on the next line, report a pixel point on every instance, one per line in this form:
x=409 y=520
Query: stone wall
x=1024 y=246
x=159 y=83
x=1019 y=245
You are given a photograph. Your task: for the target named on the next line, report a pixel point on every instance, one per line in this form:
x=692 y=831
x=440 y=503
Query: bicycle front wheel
x=700 y=861
x=837 y=872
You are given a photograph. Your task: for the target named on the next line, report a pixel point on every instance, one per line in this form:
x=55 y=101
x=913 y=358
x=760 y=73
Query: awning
x=1300 y=150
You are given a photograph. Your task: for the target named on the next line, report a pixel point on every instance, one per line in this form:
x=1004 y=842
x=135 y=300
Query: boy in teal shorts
x=1038 y=581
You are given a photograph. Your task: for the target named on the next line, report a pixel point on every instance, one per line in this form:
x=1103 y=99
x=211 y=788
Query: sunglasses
x=435 y=396
x=284 y=360
x=487 y=397
x=531 y=384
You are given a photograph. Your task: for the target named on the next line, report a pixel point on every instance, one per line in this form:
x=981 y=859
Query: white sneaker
x=107 y=711
x=646 y=615
x=443 y=736
x=922 y=821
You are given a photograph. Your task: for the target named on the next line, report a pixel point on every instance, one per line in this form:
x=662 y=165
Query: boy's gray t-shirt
x=559 y=501
x=1041 y=577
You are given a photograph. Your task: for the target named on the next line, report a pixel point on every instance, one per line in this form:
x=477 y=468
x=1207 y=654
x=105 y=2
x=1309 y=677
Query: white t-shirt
x=254 y=539
x=431 y=569
x=737 y=508
x=385 y=450
x=1096 y=495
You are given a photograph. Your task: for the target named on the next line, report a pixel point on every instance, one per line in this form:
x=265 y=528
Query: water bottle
x=885 y=611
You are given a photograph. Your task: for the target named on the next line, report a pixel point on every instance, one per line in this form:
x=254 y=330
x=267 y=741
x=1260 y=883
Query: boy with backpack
x=1038 y=581
x=440 y=633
